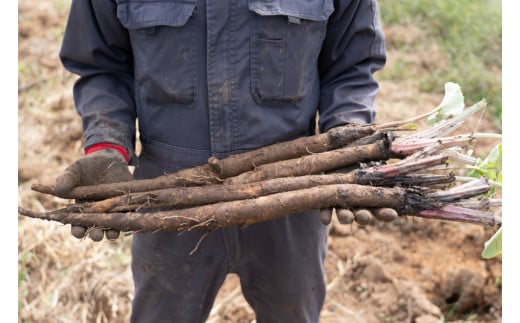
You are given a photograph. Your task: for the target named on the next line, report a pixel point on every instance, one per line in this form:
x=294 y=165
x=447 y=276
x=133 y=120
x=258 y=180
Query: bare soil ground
x=411 y=270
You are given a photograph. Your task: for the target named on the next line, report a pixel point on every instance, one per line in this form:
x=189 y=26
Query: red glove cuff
x=105 y=145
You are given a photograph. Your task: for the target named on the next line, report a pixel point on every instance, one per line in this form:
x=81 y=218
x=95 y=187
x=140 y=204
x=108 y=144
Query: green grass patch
x=468 y=34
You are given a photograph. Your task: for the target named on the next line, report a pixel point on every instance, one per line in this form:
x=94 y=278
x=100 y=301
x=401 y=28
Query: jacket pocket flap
x=311 y=9
x=143 y=14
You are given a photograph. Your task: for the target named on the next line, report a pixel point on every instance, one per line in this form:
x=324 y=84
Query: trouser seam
x=231 y=243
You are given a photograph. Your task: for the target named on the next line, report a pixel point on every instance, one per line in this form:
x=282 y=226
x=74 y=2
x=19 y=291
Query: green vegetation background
x=468 y=34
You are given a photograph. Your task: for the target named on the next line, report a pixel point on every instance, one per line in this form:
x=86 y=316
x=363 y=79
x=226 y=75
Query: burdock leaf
x=492 y=158
x=488 y=167
x=493 y=247
x=452 y=104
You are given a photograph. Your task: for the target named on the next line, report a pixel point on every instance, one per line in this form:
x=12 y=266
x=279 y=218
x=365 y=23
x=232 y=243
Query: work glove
x=361 y=216
x=102 y=166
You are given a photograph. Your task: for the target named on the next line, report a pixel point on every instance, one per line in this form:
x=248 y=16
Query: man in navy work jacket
x=215 y=78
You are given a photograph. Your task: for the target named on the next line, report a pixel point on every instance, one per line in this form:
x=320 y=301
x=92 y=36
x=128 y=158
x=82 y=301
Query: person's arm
x=97 y=48
x=353 y=49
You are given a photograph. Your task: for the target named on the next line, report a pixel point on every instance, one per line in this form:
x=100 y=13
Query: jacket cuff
x=106 y=145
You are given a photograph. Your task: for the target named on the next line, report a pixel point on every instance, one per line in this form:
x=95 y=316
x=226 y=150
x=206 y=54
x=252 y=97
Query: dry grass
x=70 y=280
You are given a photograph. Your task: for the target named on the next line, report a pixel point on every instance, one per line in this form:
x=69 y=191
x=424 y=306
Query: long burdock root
x=335 y=138
x=196 y=176
x=181 y=197
x=409 y=201
x=370 y=170
x=242 y=212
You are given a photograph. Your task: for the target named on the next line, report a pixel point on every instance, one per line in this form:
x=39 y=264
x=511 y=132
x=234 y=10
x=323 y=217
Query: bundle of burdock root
x=381 y=168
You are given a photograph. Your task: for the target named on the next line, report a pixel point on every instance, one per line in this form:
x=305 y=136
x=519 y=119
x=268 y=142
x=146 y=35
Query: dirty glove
x=361 y=216
x=101 y=166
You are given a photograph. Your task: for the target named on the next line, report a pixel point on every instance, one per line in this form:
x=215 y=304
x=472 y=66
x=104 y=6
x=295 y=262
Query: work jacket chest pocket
x=163 y=37
x=286 y=41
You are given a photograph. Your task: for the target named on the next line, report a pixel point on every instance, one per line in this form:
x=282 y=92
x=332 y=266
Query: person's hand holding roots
x=100 y=167
x=360 y=216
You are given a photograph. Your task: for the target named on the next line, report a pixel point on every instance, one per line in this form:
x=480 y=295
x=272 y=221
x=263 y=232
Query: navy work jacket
x=218 y=77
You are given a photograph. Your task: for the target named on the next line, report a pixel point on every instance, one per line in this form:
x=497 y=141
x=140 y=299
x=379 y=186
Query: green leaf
x=494 y=156
x=452 y=104
x=488 y=166
x=493 y=247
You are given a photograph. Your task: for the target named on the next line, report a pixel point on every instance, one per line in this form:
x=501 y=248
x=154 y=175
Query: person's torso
x=223 y=77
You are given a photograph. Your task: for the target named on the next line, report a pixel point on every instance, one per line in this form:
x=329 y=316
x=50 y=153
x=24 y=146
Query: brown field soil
x=411 y=270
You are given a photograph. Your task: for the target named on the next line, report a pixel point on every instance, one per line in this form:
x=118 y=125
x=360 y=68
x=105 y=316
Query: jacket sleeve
x=353 y=49
x=96 y=47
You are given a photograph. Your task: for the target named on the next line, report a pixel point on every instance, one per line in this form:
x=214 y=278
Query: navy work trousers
x=280 y=264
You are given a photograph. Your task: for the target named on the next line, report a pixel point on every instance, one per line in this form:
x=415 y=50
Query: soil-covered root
x=333 y=139
x=406 y=201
